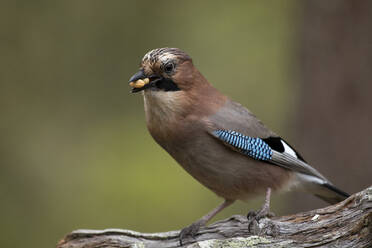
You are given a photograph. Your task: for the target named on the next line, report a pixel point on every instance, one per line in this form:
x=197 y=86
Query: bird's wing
x=241 y=131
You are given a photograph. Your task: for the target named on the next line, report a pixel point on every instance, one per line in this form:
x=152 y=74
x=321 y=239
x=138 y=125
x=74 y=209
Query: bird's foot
x=254 y=218
x=190 y=231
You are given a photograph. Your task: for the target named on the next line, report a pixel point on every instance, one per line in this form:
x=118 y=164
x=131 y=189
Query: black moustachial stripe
x=276 y=144
x=166 y=84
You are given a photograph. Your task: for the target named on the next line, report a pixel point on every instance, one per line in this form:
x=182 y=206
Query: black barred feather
x=253 y=147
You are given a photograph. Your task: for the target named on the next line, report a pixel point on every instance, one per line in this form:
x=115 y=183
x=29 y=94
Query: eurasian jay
x=218 y=141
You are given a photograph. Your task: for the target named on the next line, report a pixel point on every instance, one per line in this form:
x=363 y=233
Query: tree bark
x=346 y=224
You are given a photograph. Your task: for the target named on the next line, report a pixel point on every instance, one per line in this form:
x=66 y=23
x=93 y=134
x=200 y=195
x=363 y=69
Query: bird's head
x=164 y=69
x=173 y=87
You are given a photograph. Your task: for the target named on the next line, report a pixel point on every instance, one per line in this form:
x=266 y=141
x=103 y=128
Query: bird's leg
x=265 y=210
x=193 y=229
x=255 y=216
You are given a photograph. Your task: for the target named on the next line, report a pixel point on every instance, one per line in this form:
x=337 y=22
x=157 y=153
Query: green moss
x=138 y=245
x=233 y=242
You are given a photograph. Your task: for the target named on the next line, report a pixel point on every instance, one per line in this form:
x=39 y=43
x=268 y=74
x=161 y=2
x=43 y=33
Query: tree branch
x=346 y=224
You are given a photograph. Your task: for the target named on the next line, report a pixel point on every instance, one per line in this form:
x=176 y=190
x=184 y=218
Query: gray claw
x=189 y=231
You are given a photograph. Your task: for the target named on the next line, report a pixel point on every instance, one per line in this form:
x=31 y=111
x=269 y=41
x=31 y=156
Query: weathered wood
x=346 y=224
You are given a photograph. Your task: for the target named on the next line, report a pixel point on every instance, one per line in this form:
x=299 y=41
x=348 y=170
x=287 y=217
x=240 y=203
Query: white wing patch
x=288 y=150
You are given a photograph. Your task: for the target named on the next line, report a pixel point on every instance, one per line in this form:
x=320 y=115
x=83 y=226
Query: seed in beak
x=139 y=83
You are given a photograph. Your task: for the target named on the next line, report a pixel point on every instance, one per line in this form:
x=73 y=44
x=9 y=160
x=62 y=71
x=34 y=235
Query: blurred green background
x=75 y=151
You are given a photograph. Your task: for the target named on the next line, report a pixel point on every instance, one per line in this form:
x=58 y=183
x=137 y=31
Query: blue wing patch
x=253 y=147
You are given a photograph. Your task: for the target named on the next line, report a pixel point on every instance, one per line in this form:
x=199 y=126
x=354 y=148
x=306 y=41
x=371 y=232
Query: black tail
x=331 y=194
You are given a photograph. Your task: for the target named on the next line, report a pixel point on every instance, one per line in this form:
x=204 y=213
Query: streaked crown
x=165 y=54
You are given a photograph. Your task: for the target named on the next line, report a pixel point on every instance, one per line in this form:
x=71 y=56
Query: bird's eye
x=168 y=68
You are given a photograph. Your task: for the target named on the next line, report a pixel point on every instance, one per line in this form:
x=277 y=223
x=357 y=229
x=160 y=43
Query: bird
x=218 y=141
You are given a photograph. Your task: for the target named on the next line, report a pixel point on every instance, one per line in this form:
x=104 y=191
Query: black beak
x=139 y=75
x=147 y=81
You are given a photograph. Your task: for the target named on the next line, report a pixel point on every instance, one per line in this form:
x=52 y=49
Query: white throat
x=162 y=107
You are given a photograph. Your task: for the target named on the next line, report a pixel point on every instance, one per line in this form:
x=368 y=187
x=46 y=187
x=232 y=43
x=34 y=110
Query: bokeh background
x=75 y=152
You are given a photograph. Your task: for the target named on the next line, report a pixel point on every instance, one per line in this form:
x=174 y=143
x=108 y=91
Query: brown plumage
x=183 y=111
